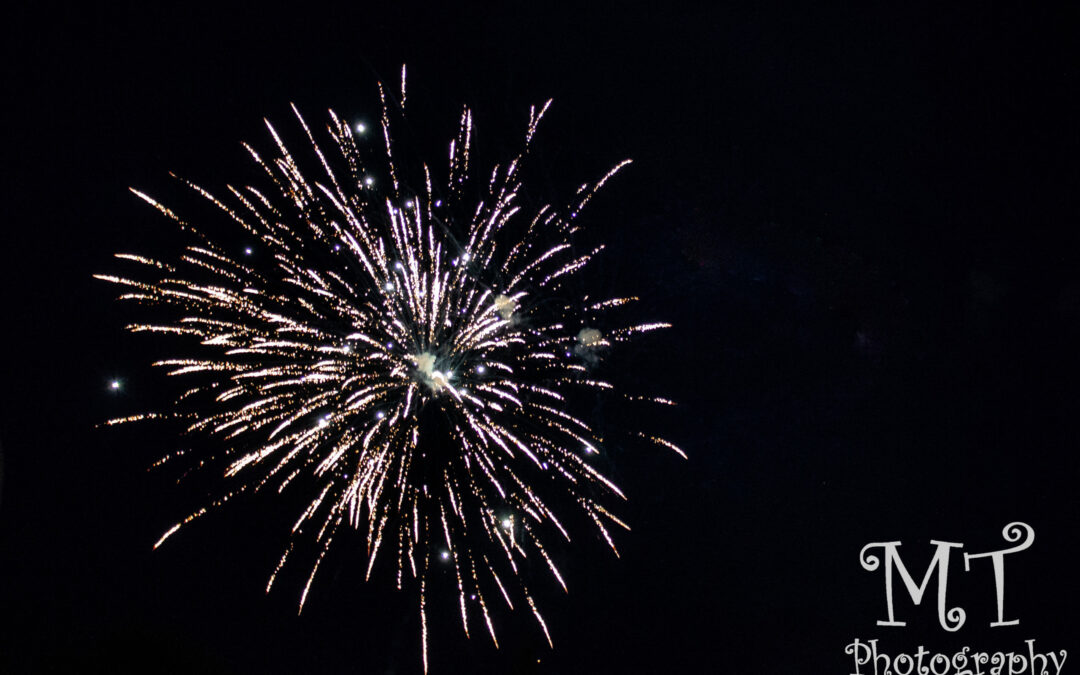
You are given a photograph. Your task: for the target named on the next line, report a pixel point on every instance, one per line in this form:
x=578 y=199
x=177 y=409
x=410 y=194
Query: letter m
x=952 y=619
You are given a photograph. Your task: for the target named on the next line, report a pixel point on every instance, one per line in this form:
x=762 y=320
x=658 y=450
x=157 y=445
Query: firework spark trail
x=400 y=356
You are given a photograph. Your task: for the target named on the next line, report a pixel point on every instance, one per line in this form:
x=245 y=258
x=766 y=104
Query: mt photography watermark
x=1023 y=659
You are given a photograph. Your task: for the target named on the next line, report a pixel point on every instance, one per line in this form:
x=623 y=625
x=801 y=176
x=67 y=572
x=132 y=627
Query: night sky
x=863 y=225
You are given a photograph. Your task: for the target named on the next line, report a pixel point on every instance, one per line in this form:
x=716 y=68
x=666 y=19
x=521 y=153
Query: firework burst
x=417 y=366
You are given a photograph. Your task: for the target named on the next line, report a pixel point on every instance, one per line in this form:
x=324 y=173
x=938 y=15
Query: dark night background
x=863 y=224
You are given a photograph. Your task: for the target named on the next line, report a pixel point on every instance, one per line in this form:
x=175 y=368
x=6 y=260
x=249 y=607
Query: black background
x=863 y=224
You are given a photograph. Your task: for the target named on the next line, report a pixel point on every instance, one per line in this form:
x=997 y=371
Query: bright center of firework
x=436 y=380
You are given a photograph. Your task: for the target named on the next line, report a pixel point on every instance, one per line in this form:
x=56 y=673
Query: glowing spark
x=589 y=337
x=407 y=368
x=505 y=306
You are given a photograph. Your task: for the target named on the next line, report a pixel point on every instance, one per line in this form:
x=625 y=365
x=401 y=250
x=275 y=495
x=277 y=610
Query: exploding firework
x=410 y=356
